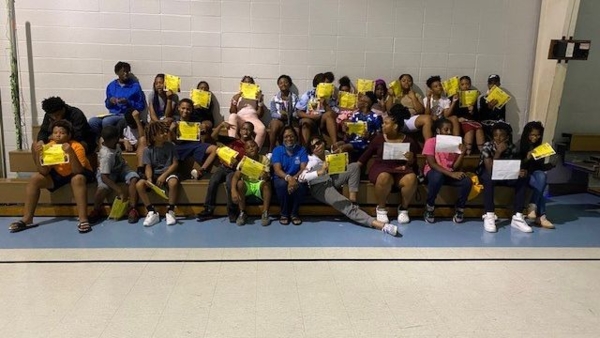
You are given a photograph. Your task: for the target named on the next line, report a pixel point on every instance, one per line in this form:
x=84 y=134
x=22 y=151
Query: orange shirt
x=65 y=168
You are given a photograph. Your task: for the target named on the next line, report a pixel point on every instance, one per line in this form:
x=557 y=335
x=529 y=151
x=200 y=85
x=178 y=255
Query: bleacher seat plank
x=192 y=195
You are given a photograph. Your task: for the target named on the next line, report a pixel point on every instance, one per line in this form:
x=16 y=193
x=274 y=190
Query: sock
x=150 y=208
x=519 y=215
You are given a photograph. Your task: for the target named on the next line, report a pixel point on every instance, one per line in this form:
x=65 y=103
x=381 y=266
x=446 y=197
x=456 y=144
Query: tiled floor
x=301 y=299
x=326 y=279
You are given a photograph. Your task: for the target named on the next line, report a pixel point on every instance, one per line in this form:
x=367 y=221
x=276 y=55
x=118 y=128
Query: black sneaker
x=429 y=215
x=459 y=216
x=205 y=214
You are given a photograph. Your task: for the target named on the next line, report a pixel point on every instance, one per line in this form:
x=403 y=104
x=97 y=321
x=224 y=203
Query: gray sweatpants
x=326 y=192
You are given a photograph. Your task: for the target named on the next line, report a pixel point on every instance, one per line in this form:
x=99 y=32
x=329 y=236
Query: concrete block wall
x=77 y=43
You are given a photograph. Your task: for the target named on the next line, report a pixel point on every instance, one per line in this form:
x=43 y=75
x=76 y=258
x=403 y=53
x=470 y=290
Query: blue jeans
x=435 y=181
x=537 y=181
x=98 y=123
x=519 y=184
x=290 y=203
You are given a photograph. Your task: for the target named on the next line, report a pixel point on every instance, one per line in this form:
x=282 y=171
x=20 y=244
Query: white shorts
x=409 y=125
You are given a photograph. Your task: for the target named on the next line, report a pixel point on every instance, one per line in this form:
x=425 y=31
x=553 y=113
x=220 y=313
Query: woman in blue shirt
x=289 y=160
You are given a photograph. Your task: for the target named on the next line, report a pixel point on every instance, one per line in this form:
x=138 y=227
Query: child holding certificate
x=392 y=169
x=245 y=183
x=531 y=139
x=414 y=102
x=324 y=187
x=112 y=168
x=381 y=92
x=487 y=111
x=466 y=111
x=66 y=165
x=248 y=109
x=318 y=113
x=189 y=144
x=161 y=162
x=438 y=105
x=345 y=112
x=204 y=114
x=444 y=168
x=161 y=101
x=501 y=147
x=361 y=127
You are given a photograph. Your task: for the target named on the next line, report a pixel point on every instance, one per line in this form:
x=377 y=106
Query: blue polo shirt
x=290 y=164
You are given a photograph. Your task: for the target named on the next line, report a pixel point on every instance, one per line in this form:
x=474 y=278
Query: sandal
x=84 y=227
x=20 y=226
x=283 y=220
x=296 y=220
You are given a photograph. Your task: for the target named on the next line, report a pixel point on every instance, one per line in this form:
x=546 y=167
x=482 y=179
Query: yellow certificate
x=172 y=83
x=249 y=90
x=358 y=128
x=337 y=163
x=468 y=98
x=395 y=88
x=227 y=155
x=251 y=168
x=53 y=154
x=451 y=86
x=364 y=86
x=325 y=90
x=543 y=151
x=201 y=98
x=348 y=100
x=499 y=95
x=157 y=190
x=188 y=131
x=118 y=209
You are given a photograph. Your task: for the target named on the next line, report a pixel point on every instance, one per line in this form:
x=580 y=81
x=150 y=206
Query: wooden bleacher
x=193 y=192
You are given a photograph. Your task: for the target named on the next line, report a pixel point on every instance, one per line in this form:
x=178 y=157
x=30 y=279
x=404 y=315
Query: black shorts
x=60 y=180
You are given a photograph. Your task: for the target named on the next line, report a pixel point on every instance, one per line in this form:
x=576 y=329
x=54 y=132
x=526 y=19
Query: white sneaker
x=531 y=209
x=170 y=216
x=495 y=217
x=151 y=219
x=403 y=216
x=390 y=229
x=382 y=215
x=519 y=223
x=489 y=223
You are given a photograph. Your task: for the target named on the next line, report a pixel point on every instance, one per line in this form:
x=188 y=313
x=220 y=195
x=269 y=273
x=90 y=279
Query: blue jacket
x=131 y=90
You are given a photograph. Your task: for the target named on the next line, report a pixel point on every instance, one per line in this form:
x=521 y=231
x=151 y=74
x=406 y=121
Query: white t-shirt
x=438 y=106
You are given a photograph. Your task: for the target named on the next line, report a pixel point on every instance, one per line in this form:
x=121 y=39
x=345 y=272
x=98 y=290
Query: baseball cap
x=494 y=78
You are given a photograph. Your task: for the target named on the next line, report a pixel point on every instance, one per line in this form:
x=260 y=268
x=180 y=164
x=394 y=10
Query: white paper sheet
x=395 y=151
x=447 y=144
x=506 y=169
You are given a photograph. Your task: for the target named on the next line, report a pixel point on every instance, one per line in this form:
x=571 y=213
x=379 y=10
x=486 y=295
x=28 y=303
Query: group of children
x=388 y=116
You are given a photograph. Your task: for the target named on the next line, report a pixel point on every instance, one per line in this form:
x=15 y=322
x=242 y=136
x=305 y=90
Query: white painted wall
x=77 y=43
